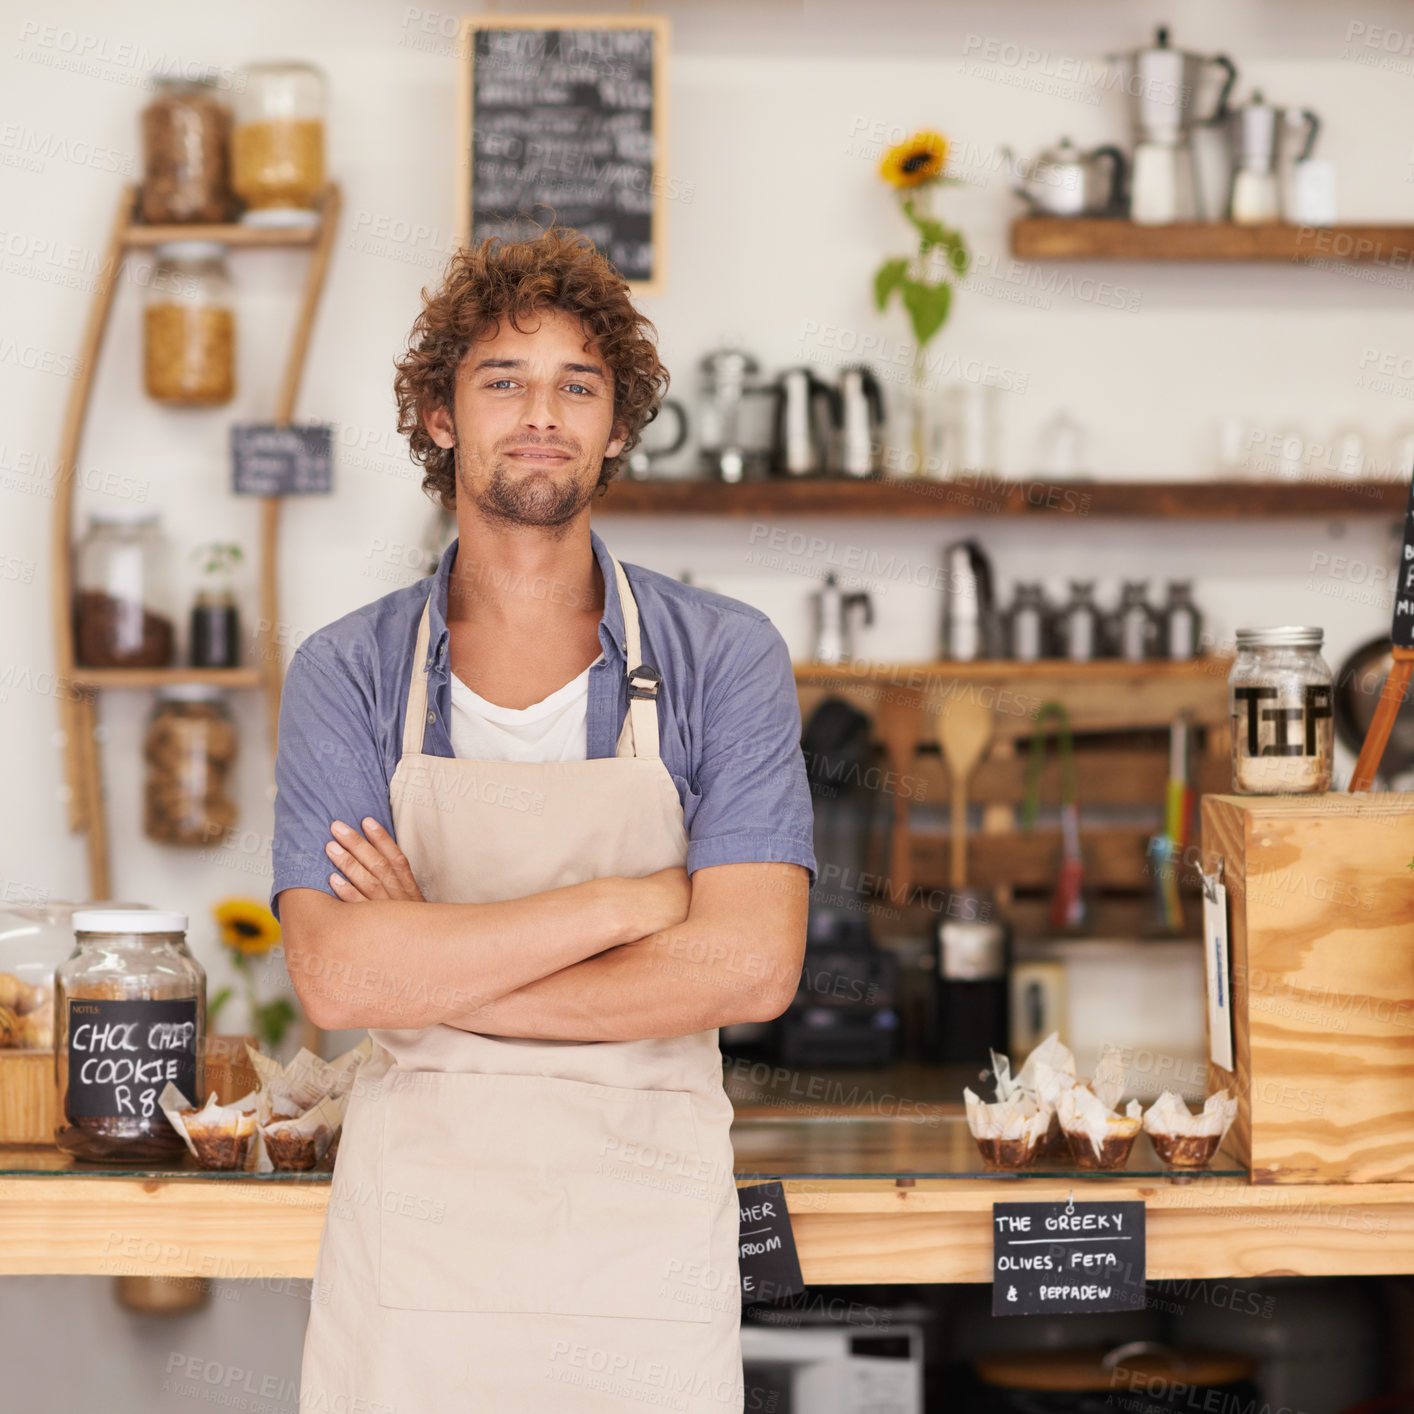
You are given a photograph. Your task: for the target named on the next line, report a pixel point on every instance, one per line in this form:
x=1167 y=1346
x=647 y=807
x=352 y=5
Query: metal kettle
x=1065 y=181
x=805 y=418
x=969 y=611
x=727 y=376
x=1162 y=84
x=838 y=618
x=860 y=405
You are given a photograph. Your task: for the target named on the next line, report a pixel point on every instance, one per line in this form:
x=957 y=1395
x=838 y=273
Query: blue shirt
x=728 y=719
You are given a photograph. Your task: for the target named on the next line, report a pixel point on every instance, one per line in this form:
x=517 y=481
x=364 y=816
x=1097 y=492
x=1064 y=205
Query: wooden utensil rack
x=1120 y=713
x=80 y=686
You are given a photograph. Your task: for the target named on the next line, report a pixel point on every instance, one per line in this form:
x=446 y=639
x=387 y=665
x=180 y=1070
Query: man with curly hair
x=542 y=825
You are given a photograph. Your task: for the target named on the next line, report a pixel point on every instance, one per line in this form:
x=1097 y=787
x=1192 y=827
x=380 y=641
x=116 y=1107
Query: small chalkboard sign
x=1061 y=1258
x=562 y=120
x=769 y=1264
x=123 y=1053
x=267 y=460
x=1402 y=632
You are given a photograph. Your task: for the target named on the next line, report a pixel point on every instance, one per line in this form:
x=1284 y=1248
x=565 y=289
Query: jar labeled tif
x=130 y=1005
x=1279 y=691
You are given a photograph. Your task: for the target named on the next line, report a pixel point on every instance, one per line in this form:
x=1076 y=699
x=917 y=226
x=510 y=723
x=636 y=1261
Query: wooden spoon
x=897 y=723
x=964 y=732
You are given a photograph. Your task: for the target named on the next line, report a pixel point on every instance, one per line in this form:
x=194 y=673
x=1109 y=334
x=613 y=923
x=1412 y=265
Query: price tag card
x=1218 y=962
x=770 y=1268
x=1063 y=1258
x=267 y=460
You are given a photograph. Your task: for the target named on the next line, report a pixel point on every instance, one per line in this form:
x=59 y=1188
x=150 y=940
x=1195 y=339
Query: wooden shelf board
x=1100 y=669
x=847 y=1230
x=141 y=678
x=1063 y=238
x=226 y=233
x=991 y=496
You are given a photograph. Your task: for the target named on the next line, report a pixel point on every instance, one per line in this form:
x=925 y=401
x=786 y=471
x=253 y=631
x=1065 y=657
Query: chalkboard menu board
x=562 y=122
x=1402 y=633
x=1065 y=1258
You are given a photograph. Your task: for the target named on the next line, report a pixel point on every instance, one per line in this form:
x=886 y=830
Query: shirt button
x=431 y=716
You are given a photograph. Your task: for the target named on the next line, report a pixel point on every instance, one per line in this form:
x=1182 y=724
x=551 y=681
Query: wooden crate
x=1321 y=934
x=29 y=1108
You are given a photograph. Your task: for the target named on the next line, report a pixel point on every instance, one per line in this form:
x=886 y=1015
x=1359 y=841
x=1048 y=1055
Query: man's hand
x=660 y=900
x=372 y=868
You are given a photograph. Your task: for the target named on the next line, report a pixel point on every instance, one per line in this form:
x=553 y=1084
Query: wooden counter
x=848 y=1230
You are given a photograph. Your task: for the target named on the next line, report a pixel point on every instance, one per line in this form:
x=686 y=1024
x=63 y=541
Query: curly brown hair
x=558 y=269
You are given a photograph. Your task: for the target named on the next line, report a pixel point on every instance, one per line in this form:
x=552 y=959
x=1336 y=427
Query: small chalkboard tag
x=1402 y=633
x=123 y=1053
x=267 y=460
x=770 y=1267
x=1064 y=1258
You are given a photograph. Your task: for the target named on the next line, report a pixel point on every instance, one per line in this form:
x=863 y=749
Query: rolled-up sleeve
x=755 y=797
x=328 y=767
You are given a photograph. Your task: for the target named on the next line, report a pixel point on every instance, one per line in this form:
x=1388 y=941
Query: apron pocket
x=541 y=1195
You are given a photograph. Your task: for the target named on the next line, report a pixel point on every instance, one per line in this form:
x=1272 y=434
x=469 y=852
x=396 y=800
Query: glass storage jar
x=122 y=608
x=130 y=1014
x=34 y=939
x=189 y=326
x=1279 y=691
x=277 y=146
x=186 y=134
x=189 y=748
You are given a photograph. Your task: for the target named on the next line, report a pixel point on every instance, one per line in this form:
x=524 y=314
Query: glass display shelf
x=923 y=1146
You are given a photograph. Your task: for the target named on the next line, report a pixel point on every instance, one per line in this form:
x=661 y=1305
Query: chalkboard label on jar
x=122 y=1054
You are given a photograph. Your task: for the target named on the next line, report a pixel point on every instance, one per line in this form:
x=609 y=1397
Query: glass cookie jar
x=277 y=146
x=1279 y=691
x=130 y=1013
x=189 y=326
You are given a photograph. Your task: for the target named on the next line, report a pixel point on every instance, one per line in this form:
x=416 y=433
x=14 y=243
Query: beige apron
x=520 y=1226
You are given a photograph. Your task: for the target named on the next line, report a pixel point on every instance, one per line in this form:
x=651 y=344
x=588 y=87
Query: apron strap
x=415 y=719
x=643 y=680
x=641 y=735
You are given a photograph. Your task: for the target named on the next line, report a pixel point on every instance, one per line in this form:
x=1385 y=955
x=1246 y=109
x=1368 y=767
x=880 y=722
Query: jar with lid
x=1078 y=623
x=189 y=749
x=277 y=146
x=122 y=610
x=34 y=939
x=1136 y=629
x=130 y=1017
x=1279 y=691
x=1182 y=623
x=186 y=134
x=1027 y=623
x=189 y=326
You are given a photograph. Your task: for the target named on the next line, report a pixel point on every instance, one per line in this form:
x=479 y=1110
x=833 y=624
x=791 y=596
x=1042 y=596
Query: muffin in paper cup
x=1098 y=1137
x=1008 y=1133
x=218 y=1136
x=1185 y=1140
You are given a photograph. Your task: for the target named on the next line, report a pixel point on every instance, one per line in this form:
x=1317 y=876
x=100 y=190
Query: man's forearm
x=685 y=979
x=395 y=964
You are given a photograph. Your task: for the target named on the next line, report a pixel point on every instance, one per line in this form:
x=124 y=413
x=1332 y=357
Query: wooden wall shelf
x=1079 y=500
x=78 y=711
x=146 y=678
x=1063 y=238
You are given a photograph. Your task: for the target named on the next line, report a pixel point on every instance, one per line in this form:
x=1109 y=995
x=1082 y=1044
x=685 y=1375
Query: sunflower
x=920 y=159
x=247 y=927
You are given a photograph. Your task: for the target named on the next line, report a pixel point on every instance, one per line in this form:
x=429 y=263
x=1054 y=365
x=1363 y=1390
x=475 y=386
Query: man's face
x=534 y=420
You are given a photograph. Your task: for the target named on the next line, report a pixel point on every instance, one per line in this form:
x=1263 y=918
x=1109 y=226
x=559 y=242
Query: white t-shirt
x=553 y=729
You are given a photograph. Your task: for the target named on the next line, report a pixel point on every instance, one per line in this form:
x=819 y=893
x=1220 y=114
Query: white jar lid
x=1287 y=636
x=128 y=920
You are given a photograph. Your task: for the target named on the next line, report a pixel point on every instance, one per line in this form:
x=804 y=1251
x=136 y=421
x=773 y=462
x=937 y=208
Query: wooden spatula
x=897 y=723
x=964 y=731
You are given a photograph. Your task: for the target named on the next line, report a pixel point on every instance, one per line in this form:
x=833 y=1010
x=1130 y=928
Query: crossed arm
x=608 y=960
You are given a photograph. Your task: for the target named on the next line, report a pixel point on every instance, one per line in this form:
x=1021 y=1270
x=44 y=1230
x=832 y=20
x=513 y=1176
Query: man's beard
x=524 y=500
